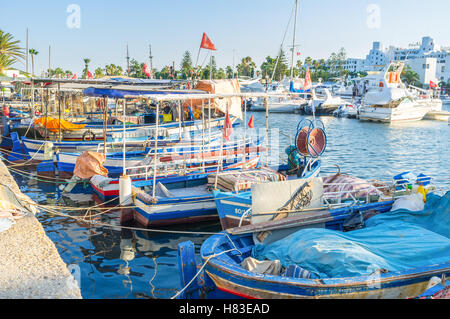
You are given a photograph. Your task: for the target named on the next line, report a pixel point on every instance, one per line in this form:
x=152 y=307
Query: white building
x=425 y=68
x=354 y=65
x=435 y=58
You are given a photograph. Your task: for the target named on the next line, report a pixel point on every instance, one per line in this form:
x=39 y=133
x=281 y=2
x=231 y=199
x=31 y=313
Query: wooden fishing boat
x=233 y=206
x=135 y=140
x=175 y=171
x=66 y=161
x=192 y=202
x=223 y=256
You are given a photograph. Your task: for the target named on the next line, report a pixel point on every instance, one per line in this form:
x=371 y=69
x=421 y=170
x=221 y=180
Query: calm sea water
x=118 y=263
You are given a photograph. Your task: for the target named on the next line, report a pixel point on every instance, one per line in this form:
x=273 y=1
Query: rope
x=205 y=263
x=99 y=224
x=31 y=158
x=48 y=180
x=198 y=273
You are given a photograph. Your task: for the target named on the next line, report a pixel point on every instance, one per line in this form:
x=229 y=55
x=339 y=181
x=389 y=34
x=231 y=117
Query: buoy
x=125 y=190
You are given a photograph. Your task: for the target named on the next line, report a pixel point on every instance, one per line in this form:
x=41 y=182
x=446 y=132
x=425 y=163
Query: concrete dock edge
x=30 y=265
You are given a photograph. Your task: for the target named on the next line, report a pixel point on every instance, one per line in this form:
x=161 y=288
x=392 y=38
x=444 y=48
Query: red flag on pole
x=250 y=123
x=74 y=76
x=433 y=85
x=146 y=70
x=308 y=84
x=227 y=127
x=90 y=76
x=207 y=43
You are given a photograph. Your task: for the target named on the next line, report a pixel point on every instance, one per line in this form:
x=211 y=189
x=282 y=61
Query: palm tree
x=86 y=67
x=409 y=76
x=10 y=51
x=308 y=61
x=33 y=52
x=99 y=73
x=59 y=73
x=247 y=67
x=9 y=46
x=5 y=63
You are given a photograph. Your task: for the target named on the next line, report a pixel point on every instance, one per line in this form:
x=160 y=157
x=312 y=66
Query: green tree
x=341 y=57
x=308 y=61
x=86 y=68
x=409 y=76
x=99 y=73
x=247 y=67
x=32 y=52
x=267 y=66
x=10 y=51
x=136 y=69
x=113 y=70
x=163 y=74
x=5 y=63
x=282 y=68
x=186 y=65
x=221 y=74
x=58 y=72
x=229 y=72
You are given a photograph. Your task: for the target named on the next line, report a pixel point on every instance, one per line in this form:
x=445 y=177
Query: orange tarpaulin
x=232 y=104
x=90 y=164
x=53 y=124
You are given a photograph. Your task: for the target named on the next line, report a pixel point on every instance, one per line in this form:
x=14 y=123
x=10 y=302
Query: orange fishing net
x=53 y=124
x=90 y=164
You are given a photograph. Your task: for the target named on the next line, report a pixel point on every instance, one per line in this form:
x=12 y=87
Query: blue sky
x=250 y=27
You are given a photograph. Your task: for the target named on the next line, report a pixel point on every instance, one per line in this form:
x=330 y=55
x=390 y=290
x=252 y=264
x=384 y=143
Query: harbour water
x=124 y=263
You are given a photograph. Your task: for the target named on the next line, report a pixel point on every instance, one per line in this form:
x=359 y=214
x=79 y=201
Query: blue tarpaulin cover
x=119 y=93
x=395 y=241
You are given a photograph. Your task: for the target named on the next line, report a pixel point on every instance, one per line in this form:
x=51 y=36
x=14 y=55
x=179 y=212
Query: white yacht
x=323 y=105
x=391 y=101
x=286 y=104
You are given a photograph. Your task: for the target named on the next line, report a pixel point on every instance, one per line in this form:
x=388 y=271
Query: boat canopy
x=229 y=86
x=120 y=94
x=385 y=95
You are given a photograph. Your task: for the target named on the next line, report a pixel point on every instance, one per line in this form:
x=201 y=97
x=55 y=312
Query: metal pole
x=179 y=120
x=293 y=39
x=156 y=148
x=27 y=53
x=32 y=94
x=105 y=109
x=245 y=134
x=209 y=125
x=267 y=129
x=210 y=66
x=123 y=137
x=59 y=114
x=49 y=54
x=203 y=134
x=46 y=114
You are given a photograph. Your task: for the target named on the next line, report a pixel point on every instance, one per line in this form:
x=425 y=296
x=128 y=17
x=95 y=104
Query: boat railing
x=180 y=166
x=347 y=195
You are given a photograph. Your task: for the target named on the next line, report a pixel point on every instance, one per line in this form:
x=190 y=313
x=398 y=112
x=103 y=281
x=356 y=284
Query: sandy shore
x=30 y=265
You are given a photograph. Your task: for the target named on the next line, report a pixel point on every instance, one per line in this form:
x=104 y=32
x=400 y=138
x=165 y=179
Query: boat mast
x=151 y=60
x=128 y=62
x=293 y=40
